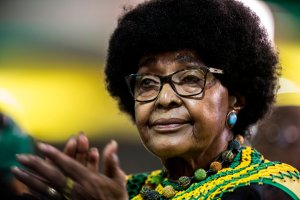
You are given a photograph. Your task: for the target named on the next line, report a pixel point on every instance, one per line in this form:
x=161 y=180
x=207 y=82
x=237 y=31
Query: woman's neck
x=186 y=165
x=177 y=167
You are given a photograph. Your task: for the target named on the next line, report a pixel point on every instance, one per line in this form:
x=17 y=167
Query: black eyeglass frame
x=168 y=79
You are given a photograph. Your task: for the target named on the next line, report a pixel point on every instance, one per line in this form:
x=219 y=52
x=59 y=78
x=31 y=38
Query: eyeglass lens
x=187 y=82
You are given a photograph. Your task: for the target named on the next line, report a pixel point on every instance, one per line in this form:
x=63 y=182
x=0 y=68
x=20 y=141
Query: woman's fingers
x=54 y=174
x=82 y=149
x=78 y=148
x=35 y=182
x=71 y=177
x=111 y=163
x=71 y=167
x=70 y=147
x=30 y=177
x=44 y=169
x=93 y=160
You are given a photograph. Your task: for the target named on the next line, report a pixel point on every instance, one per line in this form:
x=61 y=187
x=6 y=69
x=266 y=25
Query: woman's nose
x=168 y=97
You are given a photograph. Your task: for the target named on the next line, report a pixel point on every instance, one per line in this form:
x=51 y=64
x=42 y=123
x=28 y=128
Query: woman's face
x=175 y=126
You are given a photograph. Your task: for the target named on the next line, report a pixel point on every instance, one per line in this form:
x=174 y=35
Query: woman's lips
x=168 y=125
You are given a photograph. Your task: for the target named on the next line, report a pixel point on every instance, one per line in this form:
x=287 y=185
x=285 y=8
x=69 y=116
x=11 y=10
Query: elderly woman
x=199 y=73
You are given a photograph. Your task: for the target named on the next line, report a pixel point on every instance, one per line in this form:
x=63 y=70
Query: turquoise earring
x=231 y=119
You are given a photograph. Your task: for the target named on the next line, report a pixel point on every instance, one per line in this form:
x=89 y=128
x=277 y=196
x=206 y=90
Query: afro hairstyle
x=225 y=33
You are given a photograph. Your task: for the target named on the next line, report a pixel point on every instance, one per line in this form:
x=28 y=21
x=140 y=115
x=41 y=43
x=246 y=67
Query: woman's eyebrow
x=186 y=59
x=147 y=61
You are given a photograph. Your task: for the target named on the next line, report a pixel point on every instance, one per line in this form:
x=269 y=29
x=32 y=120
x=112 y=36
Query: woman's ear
x=236 y=102
x=231 y=101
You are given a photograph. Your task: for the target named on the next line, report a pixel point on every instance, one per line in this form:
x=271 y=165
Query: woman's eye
x=190 y=80
x=148 y=83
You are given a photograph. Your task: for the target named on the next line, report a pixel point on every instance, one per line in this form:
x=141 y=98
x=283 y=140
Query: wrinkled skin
x=184 y=132
x=80 y=164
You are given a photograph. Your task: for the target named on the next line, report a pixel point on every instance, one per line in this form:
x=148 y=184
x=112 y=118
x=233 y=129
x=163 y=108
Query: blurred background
x=52 y=56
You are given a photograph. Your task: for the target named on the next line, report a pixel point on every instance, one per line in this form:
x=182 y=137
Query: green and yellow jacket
x=249 y=176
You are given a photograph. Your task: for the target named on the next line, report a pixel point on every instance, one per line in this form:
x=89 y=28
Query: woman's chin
x=168 y=144
x=167 y=150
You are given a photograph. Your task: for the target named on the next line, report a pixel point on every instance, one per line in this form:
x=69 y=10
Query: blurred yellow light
x=52 y=103
x=289 y=92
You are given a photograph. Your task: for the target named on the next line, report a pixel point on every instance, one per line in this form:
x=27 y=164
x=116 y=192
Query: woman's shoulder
x=249 y=158
x=257 y=192
x=251 y=168
x=249 y=175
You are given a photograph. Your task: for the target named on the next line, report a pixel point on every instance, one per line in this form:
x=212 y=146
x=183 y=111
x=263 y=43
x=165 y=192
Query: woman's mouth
x=168 y=125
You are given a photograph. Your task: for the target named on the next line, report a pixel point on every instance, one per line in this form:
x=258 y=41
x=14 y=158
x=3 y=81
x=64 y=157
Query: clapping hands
x=74 y=173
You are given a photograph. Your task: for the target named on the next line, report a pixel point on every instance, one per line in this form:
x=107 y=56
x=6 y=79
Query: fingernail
x=17 y=170
x=22 y=158
x=45 y=147
x=114 y=143
x=72 y=140
x=42 y=146
x=82 y=136
x=94 y=149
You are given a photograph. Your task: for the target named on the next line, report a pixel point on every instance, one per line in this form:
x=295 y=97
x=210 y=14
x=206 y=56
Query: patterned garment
x=249 y=175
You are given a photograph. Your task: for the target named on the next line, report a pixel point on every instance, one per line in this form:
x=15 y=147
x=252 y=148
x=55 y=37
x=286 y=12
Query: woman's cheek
x=139 y=117
x=141 y=120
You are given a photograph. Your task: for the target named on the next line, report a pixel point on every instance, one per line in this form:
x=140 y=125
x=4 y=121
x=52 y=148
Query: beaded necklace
x=172 y=187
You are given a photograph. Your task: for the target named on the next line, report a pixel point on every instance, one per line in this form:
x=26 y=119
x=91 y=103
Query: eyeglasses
x=187 y=82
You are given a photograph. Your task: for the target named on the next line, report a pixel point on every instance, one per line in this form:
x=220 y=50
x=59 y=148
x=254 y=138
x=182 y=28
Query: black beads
x=184 y=182
x=149 y=194
x=234 y=145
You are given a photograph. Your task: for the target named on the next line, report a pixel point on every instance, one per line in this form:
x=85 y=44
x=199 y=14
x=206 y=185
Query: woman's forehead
x=181 y=56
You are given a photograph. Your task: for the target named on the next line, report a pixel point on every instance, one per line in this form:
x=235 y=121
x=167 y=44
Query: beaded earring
x=231 y=119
